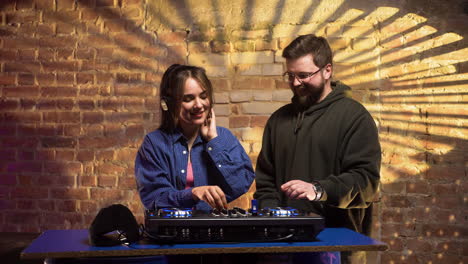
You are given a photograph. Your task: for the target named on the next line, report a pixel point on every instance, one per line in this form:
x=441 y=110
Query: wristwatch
x=318 y=190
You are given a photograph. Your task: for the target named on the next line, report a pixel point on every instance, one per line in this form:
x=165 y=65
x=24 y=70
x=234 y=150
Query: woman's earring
x=164 y=105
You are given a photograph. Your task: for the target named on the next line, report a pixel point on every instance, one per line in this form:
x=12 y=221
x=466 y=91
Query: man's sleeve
x=358 y=182
x=266 y=191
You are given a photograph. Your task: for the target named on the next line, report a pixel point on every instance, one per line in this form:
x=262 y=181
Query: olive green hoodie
x=334 y=142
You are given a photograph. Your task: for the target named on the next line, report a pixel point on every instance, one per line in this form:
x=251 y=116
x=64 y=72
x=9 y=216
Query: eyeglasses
x=290 y=77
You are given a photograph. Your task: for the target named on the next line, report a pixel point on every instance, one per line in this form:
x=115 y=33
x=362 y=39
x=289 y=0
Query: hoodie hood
x=306 y=107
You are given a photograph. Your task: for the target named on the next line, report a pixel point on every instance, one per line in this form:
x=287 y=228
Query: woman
x=189 y=162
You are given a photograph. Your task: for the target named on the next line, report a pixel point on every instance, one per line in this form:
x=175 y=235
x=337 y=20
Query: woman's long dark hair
x=172 y=92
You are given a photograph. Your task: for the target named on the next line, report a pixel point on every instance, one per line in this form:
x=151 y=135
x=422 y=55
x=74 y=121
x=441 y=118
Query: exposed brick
x=7 y=79
x=25 y=205
x=46 y=205
x=59 y=91
x=134 y=104
x=44 y=4
x=25 y=79
x=45 y=154
x=65 y=155
x=208 y=59
x=22 y=17
x=169 y=38
x=114 y=130
x=258 y=121
x=254 y=83
x=447 y=173
x=61 y=220
x=70 y=130
x=21 y=117
x=107 y=181
x=62 y=117
x=240 y=96
x=92 y=117
x=128 y=78
x=66 y=4
x=123 y=117
x=127 y=183
x=252 y=57
x=88 y=181
x=21 y=91
x=106 y=194
x=220 y=46
x=399 y=201
x=25 y=155
x=7 y=179
x=8 y=105
x=105 y=155
x=33 y=192
x=65 y=104
x=60 y=66
x=69 y=193
x=260 y=108
x=45 y=78
x=26 y=218
x=133 y=90
x=88 y=87
x=27 y=55
x=58 y=142
x=66 y=170
x=98 y=142
x=66 y=206
x=265 y=45
x=239 y=121
x=282 y=95
x=86 y=105
x=43 y=104
x=134 y=131
x=26 y=180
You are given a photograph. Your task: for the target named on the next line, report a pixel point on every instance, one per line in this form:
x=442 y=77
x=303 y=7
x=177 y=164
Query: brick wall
x=79 y=83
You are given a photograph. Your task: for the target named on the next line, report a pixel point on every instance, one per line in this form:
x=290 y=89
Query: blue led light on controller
x=175 y=212
x=254 y=206
x=283 y=211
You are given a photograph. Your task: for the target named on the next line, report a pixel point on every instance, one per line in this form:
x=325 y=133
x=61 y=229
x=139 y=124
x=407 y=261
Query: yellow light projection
x=409 y=74
x=406 y=62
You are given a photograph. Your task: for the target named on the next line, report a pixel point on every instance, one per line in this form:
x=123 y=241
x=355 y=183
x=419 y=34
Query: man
x=321 y=152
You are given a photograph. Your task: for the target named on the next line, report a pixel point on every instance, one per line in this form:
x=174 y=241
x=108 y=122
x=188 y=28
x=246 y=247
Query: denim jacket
x=161 y=168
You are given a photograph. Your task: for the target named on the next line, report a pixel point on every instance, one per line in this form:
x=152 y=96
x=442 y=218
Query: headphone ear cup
x=164 y=105
x=116 y=217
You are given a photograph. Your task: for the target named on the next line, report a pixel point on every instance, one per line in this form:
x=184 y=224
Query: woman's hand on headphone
x=208 y=129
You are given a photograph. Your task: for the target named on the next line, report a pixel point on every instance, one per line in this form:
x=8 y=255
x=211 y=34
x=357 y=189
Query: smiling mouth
x=197 y=115
x=301 y=90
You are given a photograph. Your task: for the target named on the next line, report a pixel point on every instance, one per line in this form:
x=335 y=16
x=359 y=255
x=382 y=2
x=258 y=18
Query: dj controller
x=175 y=225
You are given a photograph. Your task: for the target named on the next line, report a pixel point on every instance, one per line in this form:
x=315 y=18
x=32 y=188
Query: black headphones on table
x=117 y=218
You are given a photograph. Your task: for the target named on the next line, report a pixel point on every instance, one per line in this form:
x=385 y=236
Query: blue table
x=57 y=244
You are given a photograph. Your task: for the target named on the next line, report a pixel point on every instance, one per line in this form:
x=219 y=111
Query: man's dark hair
x=172 y=91
x=318 y=47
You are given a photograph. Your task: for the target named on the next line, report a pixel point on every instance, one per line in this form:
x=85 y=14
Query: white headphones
x=164 y=105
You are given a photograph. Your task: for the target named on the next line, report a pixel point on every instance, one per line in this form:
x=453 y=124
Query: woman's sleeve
x=232 y=162
x=152 y=172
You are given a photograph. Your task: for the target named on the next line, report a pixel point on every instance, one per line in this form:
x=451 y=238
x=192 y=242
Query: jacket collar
x=177 y=136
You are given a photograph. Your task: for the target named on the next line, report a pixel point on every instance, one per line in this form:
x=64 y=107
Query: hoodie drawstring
x=300 y=118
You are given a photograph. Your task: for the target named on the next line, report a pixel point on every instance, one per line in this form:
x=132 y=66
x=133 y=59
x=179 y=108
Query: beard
x=307 y=94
